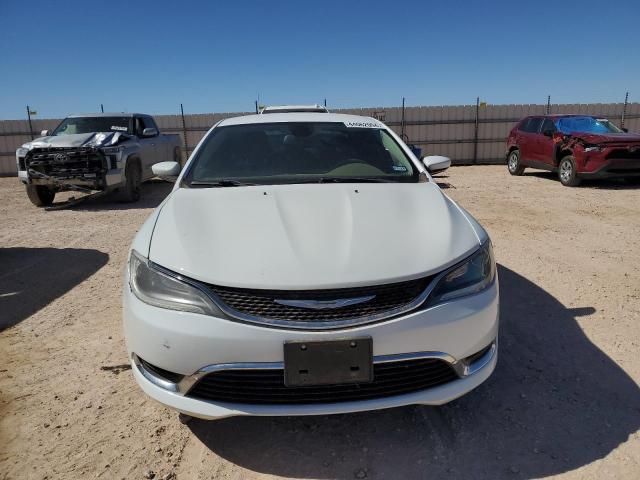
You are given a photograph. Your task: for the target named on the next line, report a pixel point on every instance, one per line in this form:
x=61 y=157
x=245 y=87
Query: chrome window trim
x=461 y=368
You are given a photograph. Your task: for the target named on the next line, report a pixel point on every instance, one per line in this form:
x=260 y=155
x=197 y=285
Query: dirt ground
x=564 y=400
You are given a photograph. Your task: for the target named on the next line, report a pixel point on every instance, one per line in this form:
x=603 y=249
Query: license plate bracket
x=328 y=362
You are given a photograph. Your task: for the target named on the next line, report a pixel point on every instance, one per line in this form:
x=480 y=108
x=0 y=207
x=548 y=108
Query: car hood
x=597 y=138
x=310 y=236
x=94 y=139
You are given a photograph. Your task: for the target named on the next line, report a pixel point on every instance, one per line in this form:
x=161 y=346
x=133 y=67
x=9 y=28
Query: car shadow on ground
x=555 y=403
x=152 y=193
x=602 y=184
x=31 y=278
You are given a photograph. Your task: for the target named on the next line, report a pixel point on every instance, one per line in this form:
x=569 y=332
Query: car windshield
x=270 y=153
x=71 y=126
x=586 y=125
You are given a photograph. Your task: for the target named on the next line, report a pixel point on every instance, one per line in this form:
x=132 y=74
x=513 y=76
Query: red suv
x=575 y=146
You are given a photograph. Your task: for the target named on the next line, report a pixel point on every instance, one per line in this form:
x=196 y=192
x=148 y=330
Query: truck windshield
x=270 y=153
x=74 y=125
x=586 y=125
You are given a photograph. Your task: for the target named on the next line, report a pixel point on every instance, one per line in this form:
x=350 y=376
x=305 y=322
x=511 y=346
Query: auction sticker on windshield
x=353 y=124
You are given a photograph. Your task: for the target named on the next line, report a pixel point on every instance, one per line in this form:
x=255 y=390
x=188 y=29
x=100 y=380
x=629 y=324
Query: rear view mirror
x=149 y=132
x=166 y=170
x=548 y=133
x=436 y=163
x=625 y=130
x=45 y=133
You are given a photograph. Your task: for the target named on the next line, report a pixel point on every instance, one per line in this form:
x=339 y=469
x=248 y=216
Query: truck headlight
x=471 y=276
x=161 y=289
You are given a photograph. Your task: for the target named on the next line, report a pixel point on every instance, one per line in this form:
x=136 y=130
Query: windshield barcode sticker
x=362 y=124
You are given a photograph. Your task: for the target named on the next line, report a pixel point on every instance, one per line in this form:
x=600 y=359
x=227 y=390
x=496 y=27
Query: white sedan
x=308 y=263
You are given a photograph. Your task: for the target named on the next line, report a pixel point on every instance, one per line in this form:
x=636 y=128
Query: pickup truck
x=92 y=153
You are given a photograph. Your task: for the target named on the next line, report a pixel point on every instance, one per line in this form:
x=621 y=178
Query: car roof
x=294 y=108
x=562 y=115
x=106 y=114
x=303 y=117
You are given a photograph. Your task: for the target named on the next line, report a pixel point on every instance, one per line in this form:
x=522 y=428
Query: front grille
x=261 y=304
x=64 y=163
x=624 y=153
x=267 y=386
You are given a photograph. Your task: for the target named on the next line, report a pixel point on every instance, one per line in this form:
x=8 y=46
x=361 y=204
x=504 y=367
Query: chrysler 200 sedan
x=308 y=263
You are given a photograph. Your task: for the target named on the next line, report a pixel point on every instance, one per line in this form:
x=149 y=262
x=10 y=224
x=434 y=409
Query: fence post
x=29 y=118
x=402 y=122
x=475 y=131
x=184 y=133
x=624 y=109
x=548 y=104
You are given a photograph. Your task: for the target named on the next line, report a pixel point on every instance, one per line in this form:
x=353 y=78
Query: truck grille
x=65 y=163
x=261 y=305
x=264 y=386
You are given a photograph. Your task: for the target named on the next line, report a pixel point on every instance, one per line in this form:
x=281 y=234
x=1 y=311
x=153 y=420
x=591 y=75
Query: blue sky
x=217 y=56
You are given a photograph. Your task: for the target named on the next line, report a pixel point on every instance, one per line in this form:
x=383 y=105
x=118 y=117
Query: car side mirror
x=436 y=163
x=168 y=171
x=548 y=133
x=150 y=132
x=45 y=133
x=625 y=130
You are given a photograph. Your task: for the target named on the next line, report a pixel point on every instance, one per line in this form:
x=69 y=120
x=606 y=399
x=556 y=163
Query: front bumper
x=190 y=344
x=611 y=162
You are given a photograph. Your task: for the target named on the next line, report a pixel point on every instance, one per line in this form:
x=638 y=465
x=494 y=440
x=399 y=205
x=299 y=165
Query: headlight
x=22 y=152
x=593 y=149
x=472 y=276
x=158 y=288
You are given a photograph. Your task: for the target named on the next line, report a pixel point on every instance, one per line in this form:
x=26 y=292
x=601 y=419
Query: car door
x=527 y=138
x=544 y=143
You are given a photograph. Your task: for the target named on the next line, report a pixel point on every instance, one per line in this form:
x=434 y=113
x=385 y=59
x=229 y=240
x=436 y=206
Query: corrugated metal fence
x=468 y=134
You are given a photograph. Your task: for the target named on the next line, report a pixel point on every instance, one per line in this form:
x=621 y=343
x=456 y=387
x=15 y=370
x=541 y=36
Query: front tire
x=513 y=163
x=40 y=195
x=130 y=192
x=567 y=172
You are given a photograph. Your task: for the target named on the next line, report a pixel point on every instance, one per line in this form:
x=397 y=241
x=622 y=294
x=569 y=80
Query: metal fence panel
x=437 y=130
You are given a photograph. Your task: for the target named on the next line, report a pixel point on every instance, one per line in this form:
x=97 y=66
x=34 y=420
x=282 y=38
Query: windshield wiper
x=220 y=183
x=348 y=180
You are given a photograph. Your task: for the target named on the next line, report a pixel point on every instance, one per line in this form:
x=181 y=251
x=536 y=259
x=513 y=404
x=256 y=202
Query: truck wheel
x=130 y=192
x=40 y=195
x=567 y=172
x=513 y=163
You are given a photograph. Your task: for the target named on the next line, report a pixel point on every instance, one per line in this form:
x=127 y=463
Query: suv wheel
x=40 y=195
x=513 y=163
x=567 y=172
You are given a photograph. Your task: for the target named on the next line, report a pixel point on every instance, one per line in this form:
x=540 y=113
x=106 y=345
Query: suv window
x=532 y=126
x=548 y=125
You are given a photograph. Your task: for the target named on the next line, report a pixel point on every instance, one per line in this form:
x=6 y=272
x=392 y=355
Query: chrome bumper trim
x=182 y=388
